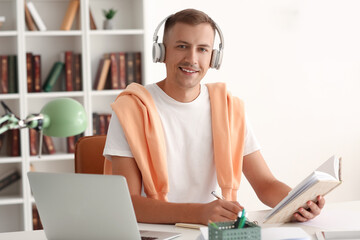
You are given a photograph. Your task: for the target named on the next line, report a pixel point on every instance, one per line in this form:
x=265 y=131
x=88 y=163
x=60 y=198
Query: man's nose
x=191 y=56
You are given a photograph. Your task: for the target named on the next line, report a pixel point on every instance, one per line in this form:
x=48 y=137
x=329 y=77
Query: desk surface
x=192 y=233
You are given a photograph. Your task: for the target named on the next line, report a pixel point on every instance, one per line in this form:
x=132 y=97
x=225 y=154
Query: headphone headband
x=159 y=48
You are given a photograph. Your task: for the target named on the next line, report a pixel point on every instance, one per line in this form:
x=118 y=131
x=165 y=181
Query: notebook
x=87 y=206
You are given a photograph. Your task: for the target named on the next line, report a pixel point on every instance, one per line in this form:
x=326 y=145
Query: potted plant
x=109 y=14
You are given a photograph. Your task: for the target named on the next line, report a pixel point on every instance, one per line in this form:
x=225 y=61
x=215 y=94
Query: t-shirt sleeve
x=251 y=143
x=116 y=143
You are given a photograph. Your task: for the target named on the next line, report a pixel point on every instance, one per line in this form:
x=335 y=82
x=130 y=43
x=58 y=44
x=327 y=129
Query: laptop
x=87 y=206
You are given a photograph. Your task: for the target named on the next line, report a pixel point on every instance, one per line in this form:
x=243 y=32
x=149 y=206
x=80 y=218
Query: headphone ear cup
x=214 y=58
x=156 y=52
x=162 y=52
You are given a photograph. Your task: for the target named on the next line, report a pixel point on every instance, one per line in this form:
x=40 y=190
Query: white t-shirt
x=189 y=149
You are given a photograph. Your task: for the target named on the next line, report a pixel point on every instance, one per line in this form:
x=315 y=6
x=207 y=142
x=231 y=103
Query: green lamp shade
x=63 y=117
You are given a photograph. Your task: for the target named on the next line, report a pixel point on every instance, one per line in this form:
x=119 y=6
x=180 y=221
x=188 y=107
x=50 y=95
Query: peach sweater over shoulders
x=142 y=127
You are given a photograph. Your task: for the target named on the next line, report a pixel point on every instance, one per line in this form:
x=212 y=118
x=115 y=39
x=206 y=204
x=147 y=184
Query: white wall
x=296 y=64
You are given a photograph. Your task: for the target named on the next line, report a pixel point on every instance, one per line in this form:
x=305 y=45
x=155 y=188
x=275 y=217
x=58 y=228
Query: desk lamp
x=62 y=117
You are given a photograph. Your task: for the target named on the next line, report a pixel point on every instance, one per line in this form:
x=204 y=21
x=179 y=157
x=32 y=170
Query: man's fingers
x=320 y=201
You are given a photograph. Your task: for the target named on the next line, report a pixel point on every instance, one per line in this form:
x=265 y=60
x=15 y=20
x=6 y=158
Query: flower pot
x=108 y=24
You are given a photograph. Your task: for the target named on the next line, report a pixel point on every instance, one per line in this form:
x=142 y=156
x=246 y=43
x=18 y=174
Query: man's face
x=188 y=53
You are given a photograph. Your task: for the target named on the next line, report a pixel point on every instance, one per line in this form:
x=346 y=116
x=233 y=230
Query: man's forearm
x=273 y=193
x=149 y=210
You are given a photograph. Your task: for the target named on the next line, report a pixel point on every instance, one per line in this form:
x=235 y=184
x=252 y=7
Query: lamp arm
x=12 y=122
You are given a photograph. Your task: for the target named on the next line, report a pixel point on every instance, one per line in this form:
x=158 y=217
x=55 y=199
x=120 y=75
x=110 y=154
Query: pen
x=242 y=219
x=217 y=196
x=213 y=224
x=238 y=220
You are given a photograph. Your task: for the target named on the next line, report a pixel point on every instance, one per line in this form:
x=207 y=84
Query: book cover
x=122 y=67
x=102 y=73
x=29 y=20
x=53 y=76
x=96 y=124
x=137 y=71
x=6 y=179
x=36 y=16
x=320 y=182
x=78 y=75
x=114 y=71
x=4 y=74
x=37 y=225
x=69 y=83
x=12 y=74
x=92 y=21
x=70 y=143
x=49 y=147
x=29 y=71
x=37 y=73
x=130 y=77
x=14 y=140
x=69 y=17
x=33 y=142
x=102 y=122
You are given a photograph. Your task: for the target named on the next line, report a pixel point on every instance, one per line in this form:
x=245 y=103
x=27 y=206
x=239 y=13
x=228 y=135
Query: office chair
x=89 y=154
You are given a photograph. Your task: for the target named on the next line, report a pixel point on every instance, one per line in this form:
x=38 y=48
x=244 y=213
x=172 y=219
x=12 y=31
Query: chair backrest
x=89 y=154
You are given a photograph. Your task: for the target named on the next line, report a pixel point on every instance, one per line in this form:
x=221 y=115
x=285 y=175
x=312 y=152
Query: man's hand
x=313 y=210
x=220 y=211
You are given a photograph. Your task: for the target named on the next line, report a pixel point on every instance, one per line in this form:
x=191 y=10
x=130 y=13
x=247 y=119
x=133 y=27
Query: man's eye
x=181 y=46
x=203 y=49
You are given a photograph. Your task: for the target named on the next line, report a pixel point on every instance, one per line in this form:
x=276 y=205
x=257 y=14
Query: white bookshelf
x=128 y=35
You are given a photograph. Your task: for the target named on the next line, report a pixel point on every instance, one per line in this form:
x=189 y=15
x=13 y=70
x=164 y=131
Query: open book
x=323 y=180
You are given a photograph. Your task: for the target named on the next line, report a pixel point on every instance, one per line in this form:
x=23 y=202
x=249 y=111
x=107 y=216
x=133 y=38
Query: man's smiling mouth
x=187 y=70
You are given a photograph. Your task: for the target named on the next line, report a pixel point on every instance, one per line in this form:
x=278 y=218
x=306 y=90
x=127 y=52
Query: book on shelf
x=53 y=76
x=4 y=74
x=12 y=74
x=48 y=145
x=14 y=142
x=29 y=71
x=37 y=225
x=130 y=76
x=137 y=69
x=36 y=16
x=71 y=142
x=101 y=74
x=77 y=72
x=73 y=8
x=122 y=70
x=37 y=73
x=101 y=123
x=8 y=178
x=33 y=142
x=114 y=70
x=69 y=70
x=92 y=21
x=29 y=20
x=320 y=182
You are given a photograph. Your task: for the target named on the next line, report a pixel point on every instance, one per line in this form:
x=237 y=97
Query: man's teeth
x=186 y=70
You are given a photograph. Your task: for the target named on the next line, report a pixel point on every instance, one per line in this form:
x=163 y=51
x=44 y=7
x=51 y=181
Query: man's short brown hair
x=189 y=16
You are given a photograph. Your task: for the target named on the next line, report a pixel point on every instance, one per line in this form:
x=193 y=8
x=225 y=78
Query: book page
x=331 y=166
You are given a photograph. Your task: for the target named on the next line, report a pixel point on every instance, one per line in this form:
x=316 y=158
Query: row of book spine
x=34 y=22
x=68 y=71
x=10 y=143
x=48 y=146
x=116 y=70
x=101 y=123
x=8 y=74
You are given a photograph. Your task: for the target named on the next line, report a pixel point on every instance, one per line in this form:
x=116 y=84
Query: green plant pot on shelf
x=109 y=15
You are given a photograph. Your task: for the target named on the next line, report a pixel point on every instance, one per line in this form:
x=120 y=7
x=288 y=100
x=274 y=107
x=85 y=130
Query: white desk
x=191 y=233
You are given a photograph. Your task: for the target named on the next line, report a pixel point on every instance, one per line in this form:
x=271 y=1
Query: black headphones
x=158 y=51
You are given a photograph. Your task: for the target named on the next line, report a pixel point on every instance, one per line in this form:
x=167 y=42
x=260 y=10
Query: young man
x=176 y=140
